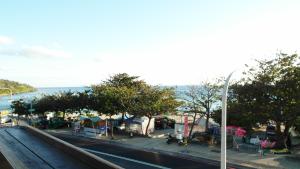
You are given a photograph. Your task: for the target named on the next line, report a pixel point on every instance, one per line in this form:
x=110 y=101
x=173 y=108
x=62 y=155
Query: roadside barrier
x=88 y=158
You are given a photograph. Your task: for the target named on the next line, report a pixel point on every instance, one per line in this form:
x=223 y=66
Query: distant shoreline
x=8 y=87
x=30 y=91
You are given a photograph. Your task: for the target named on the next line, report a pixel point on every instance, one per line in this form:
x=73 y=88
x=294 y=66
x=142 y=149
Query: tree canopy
x=153 y=100
x=268 y=94
x=20 y=107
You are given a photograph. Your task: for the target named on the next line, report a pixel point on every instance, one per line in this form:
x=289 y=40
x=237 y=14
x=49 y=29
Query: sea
x=5 y=101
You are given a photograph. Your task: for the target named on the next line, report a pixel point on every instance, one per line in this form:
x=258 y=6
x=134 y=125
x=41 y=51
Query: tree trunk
x=278 y=128
x=192 y=127
x=287 y=137
x=207 y=121
x=123 y=115
x=286 y=130
x=149 y=117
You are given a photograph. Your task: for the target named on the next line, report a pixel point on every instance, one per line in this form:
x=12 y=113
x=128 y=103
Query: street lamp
x=224 y=118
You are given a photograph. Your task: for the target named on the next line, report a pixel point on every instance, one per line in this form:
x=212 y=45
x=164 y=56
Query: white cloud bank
x=190 y=60
x=36 y=52
x=43 y=52
x=6 y=40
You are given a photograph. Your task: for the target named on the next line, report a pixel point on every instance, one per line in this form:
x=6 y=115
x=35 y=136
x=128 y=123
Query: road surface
x=28 y=151
x=132 y=158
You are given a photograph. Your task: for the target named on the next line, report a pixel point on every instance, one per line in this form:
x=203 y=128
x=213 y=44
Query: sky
x=64 y=43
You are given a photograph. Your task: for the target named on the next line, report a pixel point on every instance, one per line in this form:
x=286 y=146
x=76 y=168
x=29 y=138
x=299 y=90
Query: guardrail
x=91 y=160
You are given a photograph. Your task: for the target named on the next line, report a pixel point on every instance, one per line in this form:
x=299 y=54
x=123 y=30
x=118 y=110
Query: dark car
x=164 y=122
x=270 y=131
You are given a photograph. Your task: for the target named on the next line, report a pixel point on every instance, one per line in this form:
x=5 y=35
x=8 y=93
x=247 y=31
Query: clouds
x=43 y=52
x=6 y=40
x=36 y=52
x=30 y=51
x=191 y=59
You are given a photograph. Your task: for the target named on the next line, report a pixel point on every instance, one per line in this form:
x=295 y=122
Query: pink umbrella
x=240 y=132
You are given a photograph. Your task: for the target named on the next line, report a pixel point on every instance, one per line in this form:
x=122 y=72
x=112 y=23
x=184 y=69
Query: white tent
x=139 y=125
x=202 y=122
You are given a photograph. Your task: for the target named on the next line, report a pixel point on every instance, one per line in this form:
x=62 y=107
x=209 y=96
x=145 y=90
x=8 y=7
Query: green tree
x=208 y=98
x=241 y=110
x=83 y=101
x=269 y=93
x=192 y=105
x=45 y=104
x=65 y=102
x=202 y=100
x=152 y=100
x=106 y=101
x=20 y=107
x=127 y=86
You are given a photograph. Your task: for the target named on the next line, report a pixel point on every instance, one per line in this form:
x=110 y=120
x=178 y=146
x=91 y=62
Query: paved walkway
x=158 y=144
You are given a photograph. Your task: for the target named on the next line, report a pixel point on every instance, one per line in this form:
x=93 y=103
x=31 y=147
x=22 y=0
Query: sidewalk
x=193 y=151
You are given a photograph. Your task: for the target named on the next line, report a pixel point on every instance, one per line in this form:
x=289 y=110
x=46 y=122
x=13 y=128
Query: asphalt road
x=27 y=151
x=132 y=158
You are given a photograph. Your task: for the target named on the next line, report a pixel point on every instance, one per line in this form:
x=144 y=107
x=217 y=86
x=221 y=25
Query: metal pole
x=224 y=118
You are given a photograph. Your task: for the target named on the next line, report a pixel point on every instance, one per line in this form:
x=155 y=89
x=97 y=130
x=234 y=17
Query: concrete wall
x=90 y=159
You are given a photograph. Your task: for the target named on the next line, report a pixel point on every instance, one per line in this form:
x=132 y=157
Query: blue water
x=5 y=101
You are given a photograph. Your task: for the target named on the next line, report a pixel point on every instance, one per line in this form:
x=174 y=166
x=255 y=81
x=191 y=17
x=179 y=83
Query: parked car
x=164 y=122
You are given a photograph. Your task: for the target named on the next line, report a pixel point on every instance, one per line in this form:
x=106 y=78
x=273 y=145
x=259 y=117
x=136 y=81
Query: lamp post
x=224 y=119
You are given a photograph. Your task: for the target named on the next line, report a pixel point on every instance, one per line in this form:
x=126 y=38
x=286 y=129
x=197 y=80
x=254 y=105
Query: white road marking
x=124 y=158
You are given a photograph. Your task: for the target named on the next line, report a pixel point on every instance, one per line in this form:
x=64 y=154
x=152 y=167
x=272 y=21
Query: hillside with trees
x=16 y=87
